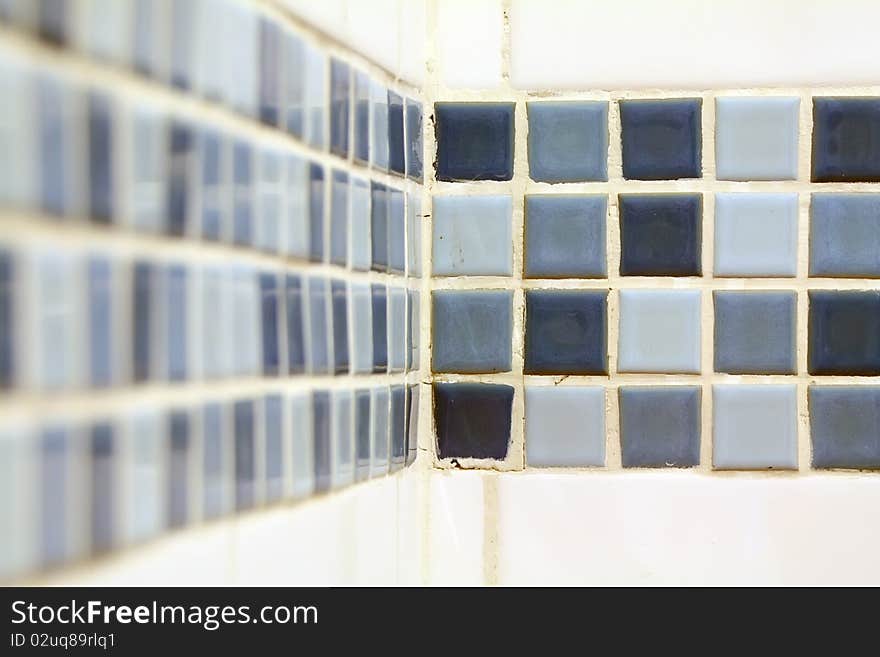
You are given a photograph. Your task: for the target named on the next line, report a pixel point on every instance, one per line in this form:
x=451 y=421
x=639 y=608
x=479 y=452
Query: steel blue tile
x=52 y=17
x=142 y=295
x=755 y=332
x=568 y=141
x=361 y=116
x=245 y=458
x=176 y=322
x=398 y=427
x=659 y=426
x=339 y=218
x=413 y=329
x=566 y=332
x=396 y=231
x=213 y=185
x=845 y=235
x=269 y=321
x=7 y=313
x=360 y=239
x=242 y=194
x=379 y=214
x=103 y=487
x=320 y=345
x=180 y=148
x=661 y=138
x=101 y=334
x=101 y=164
x=270 y=71
x=339 y=293
x=471 y=331
x=397 y=347
x=296 y=356
x=178 y=468
x=362 y=434
x=340 y=106
x=843 y=426
x=272 y=437
x=343 y=438
x=321 y=438
x=396 y=146
x=472 y=419
x=316 y=212
x=846 y=140
x=54 y=483
x=380 y=328
x=413 y=119
x=53 y=146
x=474 y=141
x=565 y=236
x=412 y=424
x=215 y=489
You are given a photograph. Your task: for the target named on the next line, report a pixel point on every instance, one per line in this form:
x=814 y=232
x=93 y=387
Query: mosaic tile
x=659 y=331
x=659 y=426
x=396 y=232
x=380 y=440
x=472 y=420
x=102 y=487
x=846 y=140
x=845 y=235
x=396 y=144
x=294 y=96
x=843 y=426
x=660 y=234
x=343 y=438
x=8 y=304
x=320 y=343
x=565 y=426
x=298 y=208
x=360 y=228
x=213 y=156
x=471 y=331
x=472 y=235
x=294 y=321
x=339 y=295
x=568 y=141
x=316 y=97
x=380 y=327
x=179 y=443
x=242 y=200
x=379 y=213
x=565 y=236
x=754 y=427
x=302 y=447
x=339 y=211
x=361 y=321
x=414 y=235
x=474 y=141
x=361 y=116
x=214 y=468
x=100 y=157
x=756 y=138
x=245 y=462
x=566 y=332
x=398 y=427
x=844 y=332
x=177 y=303
x=100 y=331
x=397 y=347
x=756 y=234
x=413 y=121
x=755 y=332
x=316 y=213
x=362 y=425
x=379 y=126
x=661 y=138
x=340 y=106
x=321 y=423
x=273 y=450
x=270 y=302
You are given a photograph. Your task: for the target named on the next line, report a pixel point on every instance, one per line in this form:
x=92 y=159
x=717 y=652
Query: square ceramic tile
x=379 y=313
x=242 y=190
x=397 y=350
x=472 y=236
x=102 y=167
x=316 y=213
x=298 y=219
x=756 y=234
x=413 y=120
x=316 y=96
x=565 y=426
x=362 y=425
x=273 y=462
x=396 y=145
x=302 y=447
x=843 y=426
x=245 y=467
x=340 y=106
x=396 y=231
x=269 y=201
x=294 y=92
x=659 y=426
x=414 y=319
x=566 y=332
x=214 y=178
x=320 y=344
x=342 y=438
x=176 y=307
x=360 y=228
x=661 y=139
x=659 y=331
x=361 y=116
x=843 y=330
x=472 y=420
x=754 y=427
x=756 y=138
x=412 y=426
x=380 y=440
x=322 y=450
x=379 y=212
x=397 y=417
x=565 y=236
x=474 y=141
x=845 y=235
x=378 y=125
x=361 y=323
x=414 y=222
x=660 y=234
x=846 y=140
x=755 y=332
x=339 y=219
x=339 y=311
x=568 y=141
x=471 y=331
x=100 y=326
x=7 y=312
x=294 y=324
x=269 y=70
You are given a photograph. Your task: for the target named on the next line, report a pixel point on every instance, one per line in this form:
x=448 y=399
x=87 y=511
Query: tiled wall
x=210 y=263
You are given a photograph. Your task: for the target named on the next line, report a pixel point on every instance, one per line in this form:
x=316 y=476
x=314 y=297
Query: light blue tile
x=361 y=244
x=471 y=331
x=380 y=440
x=294 y=98
x=17 y=183
x=568 y=141
x=565 y=236
x=104 y=29
x=361 y=322
x=241 y=60
x=269 y=201
x=396 y=329
x=316 y=96
x=297 y=211
x=343 y=438
x=273 y=435
x=756 y=234
x=302 y=454
x=148 y=165
x=754 y=427
x=17 y=503
x=565 y=426
x=756 y=138
x=845 y=235
x=215 y=470
x=472 y=236
x=318 y=349
x=396 y=231
x=379 y=125
x=659 y=331
x=55 y=328
x=339 y=219
x=145 y=515
x=217 y=336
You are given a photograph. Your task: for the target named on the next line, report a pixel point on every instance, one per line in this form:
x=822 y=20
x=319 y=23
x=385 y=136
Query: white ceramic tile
x=374 y=30
x=468 y=41
x=455 y=556
x=411 y=510
x=413 y=40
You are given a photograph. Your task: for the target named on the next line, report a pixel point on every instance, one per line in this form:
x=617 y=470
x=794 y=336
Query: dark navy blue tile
x=176 y=322
x=844 y=333
x=242 y=194
x=321 y=438
x=269 y=316
x=52 y=16
x=270 y=72
x=396 y=146
x=568 y=141
x=296 y=355
x=846 y=140
x=320 y=346
x=316 y=213
x=398 y=427
x=213 y=185
x=659 y=426
x=339 y=219
x=413 y=119
x=380 y=328
x=53 y=145
x=755 y=332
x=143 y=291
x=213 y=457
x=379 y=212
x=245 y=459
x=362 y=434
x=103 y=487
x=339 y=296
x=294 y=87
x=101 y=333
x=844 y=423
x=7 y=312
x=474 y=141
x=178 y=468
x=55 y=454
x=661 y=138
x=566 y=332
x=472 y=420
x=361 y=116
x=272 y=418
x=101 y=166
x=472 y=331
x=845 y=235
x=396 y=231
x=180 y=149
x=660 y=234
x=340 y=106
x=412 y=423
x=565 y=236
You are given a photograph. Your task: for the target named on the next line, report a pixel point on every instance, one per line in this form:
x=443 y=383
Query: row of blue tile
x=185 y=178
x=756 y=138
x=754 y=426
x=70 y=489
x=756 y=234
x=755 y=332
x=230 y=53
x=69 y=319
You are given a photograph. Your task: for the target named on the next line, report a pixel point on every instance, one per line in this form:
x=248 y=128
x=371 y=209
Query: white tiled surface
x=468 y=37
x=590 y=44
x=455 y=529
x=671 y=528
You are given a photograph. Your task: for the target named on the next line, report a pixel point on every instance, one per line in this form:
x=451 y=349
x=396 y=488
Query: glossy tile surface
x=472 y=235
x=846 y=139
x=756 y=234
x=845 y=235
x=565 y=236
x=755 y=332
x=662 y=139
x=474 y=141
x=472 y=419
x=660 y=234
x=756 y=138
x=659 y=331
x=565 y=426
x=568 y=141
x=843 y=426
x=659 y=426
x=844 y=332
x=471 y=331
